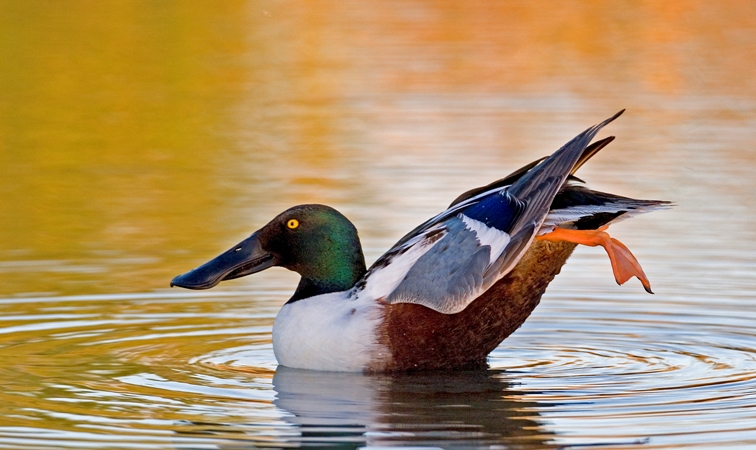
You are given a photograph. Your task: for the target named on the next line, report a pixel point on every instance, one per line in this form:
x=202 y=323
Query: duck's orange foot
x=624 y=264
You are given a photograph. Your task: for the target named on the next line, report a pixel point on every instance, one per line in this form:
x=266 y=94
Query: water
x=137 y=141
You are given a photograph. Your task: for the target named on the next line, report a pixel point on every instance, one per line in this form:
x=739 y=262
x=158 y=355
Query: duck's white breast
x=333 y=332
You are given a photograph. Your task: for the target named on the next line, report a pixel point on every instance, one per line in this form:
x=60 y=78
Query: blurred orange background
x=139 y=138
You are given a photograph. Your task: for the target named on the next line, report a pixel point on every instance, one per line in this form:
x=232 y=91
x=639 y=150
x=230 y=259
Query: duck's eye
x=292 y=224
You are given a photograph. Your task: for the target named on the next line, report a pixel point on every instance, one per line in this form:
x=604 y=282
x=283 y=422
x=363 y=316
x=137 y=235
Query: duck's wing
x=578 y=208
x=451 y=259
x=588 y=153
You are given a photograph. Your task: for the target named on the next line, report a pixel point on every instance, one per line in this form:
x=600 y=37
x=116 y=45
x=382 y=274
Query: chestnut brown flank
x=419 y=338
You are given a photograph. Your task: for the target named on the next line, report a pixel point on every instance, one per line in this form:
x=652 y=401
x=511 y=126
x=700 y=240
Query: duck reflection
x=459 y=408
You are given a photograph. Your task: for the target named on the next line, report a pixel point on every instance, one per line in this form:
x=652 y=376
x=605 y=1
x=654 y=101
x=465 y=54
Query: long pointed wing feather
x=451 y=259
x=588 y=153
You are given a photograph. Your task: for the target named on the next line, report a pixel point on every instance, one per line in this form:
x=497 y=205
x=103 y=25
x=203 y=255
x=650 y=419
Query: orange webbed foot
x=624 y=263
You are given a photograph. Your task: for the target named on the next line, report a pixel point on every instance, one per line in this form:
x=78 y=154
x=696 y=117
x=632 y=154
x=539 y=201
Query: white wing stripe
x=492 y=237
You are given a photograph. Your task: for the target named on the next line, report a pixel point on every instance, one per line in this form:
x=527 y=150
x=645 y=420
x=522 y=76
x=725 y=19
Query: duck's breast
x=331 y=332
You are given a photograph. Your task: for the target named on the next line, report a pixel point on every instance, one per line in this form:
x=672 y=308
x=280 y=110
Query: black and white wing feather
x=451 y=259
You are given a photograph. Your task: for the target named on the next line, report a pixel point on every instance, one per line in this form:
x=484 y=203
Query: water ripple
x=162 y=370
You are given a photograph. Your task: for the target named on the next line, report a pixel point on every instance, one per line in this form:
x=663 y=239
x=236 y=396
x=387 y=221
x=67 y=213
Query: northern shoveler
x=449 y=291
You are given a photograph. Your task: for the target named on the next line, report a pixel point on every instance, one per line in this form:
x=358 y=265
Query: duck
x=449 y=291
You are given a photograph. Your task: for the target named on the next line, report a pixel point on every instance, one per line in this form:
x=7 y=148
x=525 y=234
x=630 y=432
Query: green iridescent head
x=315 y=241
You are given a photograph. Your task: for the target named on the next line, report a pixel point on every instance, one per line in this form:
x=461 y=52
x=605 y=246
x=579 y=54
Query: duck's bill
x=245 y=258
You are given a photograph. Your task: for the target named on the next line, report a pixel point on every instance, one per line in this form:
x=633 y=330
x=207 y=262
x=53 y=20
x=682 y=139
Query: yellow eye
x=292 y=223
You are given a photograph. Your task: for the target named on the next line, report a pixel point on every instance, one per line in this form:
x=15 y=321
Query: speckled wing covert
x=451 y=259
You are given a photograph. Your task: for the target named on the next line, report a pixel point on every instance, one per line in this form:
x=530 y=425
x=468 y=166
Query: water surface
x=139 y=140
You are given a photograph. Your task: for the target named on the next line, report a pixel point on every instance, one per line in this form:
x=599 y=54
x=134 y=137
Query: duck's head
x=315 y=241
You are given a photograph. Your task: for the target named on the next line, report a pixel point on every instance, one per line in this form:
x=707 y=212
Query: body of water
x=139 y=140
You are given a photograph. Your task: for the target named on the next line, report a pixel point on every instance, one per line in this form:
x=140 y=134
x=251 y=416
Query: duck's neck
x=331 y=271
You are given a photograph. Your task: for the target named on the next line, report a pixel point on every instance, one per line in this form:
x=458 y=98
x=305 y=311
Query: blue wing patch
x=500 y=210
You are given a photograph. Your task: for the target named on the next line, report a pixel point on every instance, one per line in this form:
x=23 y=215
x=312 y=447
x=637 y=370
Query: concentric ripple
x=637 y=374
x=197 y=371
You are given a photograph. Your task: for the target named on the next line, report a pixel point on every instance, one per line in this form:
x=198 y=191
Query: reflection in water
x=197 y=370
x=476 y=408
